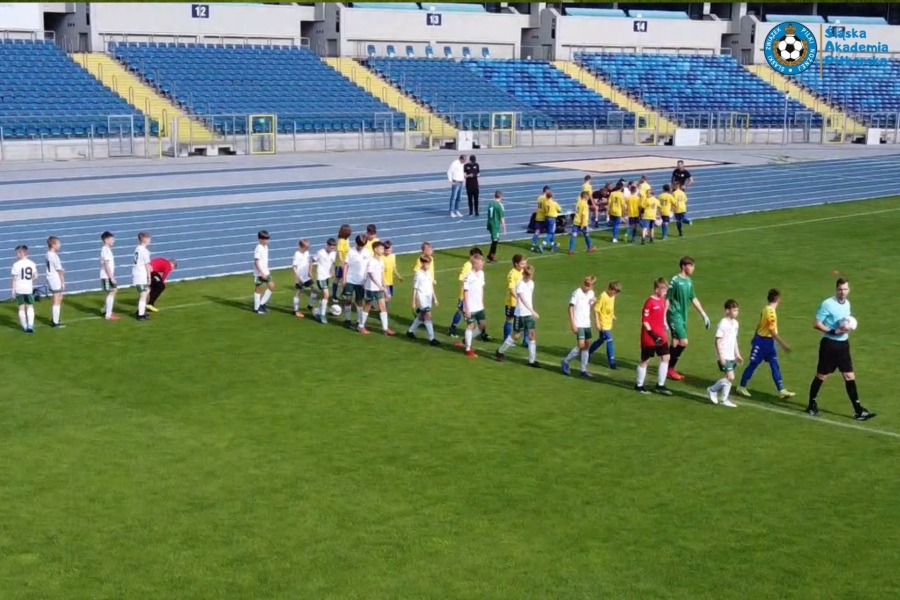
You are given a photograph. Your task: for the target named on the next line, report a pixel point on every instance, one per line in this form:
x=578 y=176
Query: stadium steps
x=136 y=92
x=807 y=99
x=387 y=93
x=608 y=91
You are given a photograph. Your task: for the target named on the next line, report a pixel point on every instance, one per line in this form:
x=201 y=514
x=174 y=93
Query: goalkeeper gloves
x=657 y=339
x=705 y=321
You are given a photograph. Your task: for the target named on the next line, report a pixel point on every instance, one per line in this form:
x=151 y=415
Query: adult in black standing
x=682 y=176
x=472 y=170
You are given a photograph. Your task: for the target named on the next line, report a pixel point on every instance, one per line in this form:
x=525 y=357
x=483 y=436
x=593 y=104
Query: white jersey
x=261 y=257
x=357 y=264
x=25 y=273
x=324 y=261
x=54 y=270
x=726 y=336
x=582 y=301
x=301 y=265
x=524 y=289
x=374 y=276
x=423 y=286
x=474 y=284
x=139 y=272
x=107 y=258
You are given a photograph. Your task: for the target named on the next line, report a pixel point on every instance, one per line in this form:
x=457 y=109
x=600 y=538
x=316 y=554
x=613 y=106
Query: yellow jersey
x=588 y=188
x=666 y=202
x=633 y=203
x=606 y=310
x=680 y=201
x=370 y=242
x=390 y=265
x=430 y=268
x=552 y=208
x=643 y=188
x=343 y=247
x=581 y=213
x=466 y=268
x=650 y=206
x=616 y=204
x=512 y=279
x=768 y=323
x=541 y=214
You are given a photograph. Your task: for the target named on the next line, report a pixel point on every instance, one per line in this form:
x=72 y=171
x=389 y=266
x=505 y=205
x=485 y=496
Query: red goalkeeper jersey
x=654 y=315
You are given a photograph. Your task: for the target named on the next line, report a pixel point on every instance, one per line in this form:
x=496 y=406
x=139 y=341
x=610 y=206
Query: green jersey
x=495 y=214
x=680 y=297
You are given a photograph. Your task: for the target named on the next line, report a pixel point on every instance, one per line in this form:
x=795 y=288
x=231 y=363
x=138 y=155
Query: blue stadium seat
x=44 y=93
x=680 y=85
x=539 y=84
x=452 y=89
x=476 y=7
x=228 y=81
x=866 y=92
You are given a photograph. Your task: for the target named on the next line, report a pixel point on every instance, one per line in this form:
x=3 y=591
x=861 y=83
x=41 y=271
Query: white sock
x=506 y=345
x=110 y=302
x=57 y=308
x=142 y=307
x=532 y=351
x=718 y=385
x=347 y=311
x=256 y=301
x=662 y=374
x=585 y=357
x=468 y=337
x=572 y=354
x=296 y=303
x=726 y=389
x=23 y=321
x=429 y=327
x=641 y=375
x=364 y=316
x=29 y=315
x=385 y=324
x=415 y=325
x=323 y=307
x=265 y=297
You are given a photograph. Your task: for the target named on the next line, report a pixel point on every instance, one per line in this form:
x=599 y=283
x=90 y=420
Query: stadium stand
x=241 y=80
x=43 y=93
x=679 y=84
x=874 y=89
x=454 y=91
x=569 y=103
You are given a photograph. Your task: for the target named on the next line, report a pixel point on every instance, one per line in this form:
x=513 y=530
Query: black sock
x=674 y=355
x=853 y=394
x=493 y=252
x=814 y=388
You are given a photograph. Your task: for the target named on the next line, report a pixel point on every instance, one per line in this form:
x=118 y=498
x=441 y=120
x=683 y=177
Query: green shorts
x=353 y=291
x=306 y=285
x=141 y=288
x=424 y=310
x=523 y=324
x=477 y=317
x=323 y=284
x=495 y=234
x=677 y=327
x=106 y=285
x=583 y=333
x=727 y=366
x=261 y=281
x=374 y=296
x=24 y=299
x=59 y=291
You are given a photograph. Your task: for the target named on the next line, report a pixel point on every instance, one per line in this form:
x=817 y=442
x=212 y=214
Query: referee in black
x=682 y=176
x=472 y=170
x=834 y=350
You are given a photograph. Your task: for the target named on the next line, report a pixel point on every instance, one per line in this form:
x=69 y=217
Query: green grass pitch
x=217 y=454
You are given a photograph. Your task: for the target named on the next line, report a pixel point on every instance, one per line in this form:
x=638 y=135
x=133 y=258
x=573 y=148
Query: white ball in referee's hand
x=850 y=323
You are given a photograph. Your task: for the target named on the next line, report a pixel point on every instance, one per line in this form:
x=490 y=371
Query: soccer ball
x=850 y=323
x=336 y=310
x=790 y=48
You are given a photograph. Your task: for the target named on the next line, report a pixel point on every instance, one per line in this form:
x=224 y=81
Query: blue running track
x=217 y=240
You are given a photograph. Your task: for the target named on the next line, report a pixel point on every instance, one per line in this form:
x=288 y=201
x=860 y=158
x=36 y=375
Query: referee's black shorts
x=834 y=355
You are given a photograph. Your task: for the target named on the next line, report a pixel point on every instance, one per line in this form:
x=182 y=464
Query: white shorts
x=54 y=283
x=424 y=301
